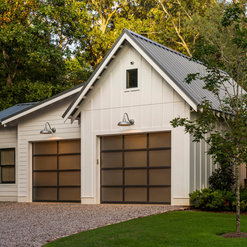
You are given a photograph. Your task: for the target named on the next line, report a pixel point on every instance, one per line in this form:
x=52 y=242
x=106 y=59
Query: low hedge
x=217 y=200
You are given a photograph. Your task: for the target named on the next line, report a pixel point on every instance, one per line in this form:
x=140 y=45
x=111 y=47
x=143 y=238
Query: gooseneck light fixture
x=126 y=121
x=48 y=129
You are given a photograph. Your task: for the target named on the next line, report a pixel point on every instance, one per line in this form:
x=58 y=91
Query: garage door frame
x=123 y=169
x=58 y=171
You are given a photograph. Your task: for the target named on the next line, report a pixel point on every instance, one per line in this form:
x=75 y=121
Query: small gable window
x=131 y=78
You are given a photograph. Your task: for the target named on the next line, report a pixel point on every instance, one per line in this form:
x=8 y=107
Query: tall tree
x=227 y=48
x=178 y=17
x=167 y=22
x=35 y=37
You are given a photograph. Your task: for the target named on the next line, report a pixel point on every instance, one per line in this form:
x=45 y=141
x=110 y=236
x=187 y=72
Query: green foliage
x=218 y=200
x=35 y=37
x=222 y=125
x=27 y=91
x=212 y=200
x=222 y=178
x=222 y=42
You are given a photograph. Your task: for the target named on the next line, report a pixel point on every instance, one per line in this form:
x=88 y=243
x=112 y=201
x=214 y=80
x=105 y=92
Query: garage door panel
x=45 y=163
x=69 y=162
x=45 y=194
x=56 y=171
x=160 y=176
x=160 y=158
x=137 y=172
x=160 y=195
x=160 y=140
x=69 y=178
x=111 y=143
x=135 y=159
x=69 y=194
x=111 y=160
x=112 y=194
x=135 y=177
x=112 y=177
x=135 y=194
x=45 y=148
x=45 y=179
x=135 y=141
x=70 y=147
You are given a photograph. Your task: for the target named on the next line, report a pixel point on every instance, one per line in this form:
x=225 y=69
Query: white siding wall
x=29 y=131
x=8 y=139
x=152 y=107
x=201 y=165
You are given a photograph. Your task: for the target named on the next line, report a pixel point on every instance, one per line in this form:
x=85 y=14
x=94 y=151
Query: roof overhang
x=73 y=110
x=41 y=105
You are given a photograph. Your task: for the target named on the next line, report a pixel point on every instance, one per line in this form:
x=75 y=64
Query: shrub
x=222 y=179
x=208 y=199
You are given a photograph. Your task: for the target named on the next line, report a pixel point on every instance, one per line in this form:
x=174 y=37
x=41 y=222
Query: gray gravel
x=33 y=224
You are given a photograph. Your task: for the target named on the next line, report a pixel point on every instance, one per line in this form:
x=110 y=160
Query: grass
x=173 y=229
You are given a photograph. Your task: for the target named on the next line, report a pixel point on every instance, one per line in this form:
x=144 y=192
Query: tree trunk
x=237 y=170
x=9 y=81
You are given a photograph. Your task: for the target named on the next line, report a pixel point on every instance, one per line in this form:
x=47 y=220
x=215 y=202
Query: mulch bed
x=235 y=235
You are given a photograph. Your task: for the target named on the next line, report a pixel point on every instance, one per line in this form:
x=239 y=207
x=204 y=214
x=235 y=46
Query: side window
x=7 y=165
x=131 y=78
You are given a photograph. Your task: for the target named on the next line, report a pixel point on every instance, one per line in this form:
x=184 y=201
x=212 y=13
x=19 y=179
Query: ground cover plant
x=181 y=229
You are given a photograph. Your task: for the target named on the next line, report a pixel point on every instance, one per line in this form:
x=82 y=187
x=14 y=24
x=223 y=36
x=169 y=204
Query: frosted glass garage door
x=136 y=168
x=57 y=171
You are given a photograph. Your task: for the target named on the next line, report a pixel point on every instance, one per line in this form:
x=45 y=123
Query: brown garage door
x=136 y=168
x=56 y=171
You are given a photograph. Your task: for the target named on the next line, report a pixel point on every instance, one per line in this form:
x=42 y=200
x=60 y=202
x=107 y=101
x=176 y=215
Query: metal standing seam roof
x=16 y=109
x=176 y=65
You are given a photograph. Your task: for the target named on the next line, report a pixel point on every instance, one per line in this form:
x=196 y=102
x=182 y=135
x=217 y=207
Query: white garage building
x=96 y=156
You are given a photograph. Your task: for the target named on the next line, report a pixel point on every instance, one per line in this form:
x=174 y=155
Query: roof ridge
x=162 y=46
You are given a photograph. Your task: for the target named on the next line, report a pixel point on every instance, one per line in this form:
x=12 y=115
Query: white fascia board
x=163 y=74
x=35 y=108
x=124 y=37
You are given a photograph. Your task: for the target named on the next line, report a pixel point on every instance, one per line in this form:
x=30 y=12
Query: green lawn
x=176 y=229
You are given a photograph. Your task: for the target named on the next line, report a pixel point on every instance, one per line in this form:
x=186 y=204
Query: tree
x=178 y=17
x=47 y=46
x=107 y=19
x=35 y=47
x=229 y=141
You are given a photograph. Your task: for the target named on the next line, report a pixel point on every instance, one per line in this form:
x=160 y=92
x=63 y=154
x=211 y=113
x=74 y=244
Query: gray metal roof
x=176 y=65
x=16 y=109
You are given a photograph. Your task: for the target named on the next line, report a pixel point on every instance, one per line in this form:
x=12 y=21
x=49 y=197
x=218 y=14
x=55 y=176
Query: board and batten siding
x=201 y=165
x=29 y=131
x=8 y=139
x=152 y=106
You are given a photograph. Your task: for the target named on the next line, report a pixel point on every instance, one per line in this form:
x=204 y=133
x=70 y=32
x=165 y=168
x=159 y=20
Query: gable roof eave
x=41 y=104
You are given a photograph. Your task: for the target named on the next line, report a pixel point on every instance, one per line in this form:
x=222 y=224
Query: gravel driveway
x=33 y=224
